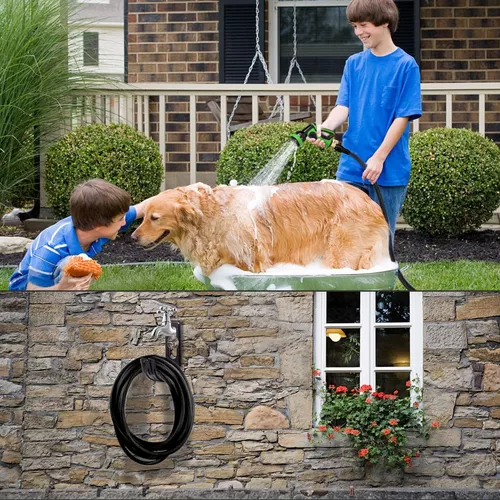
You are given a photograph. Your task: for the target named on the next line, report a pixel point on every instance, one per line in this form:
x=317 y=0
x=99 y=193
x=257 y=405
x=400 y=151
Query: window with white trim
x=373 y=338
x=324 y=37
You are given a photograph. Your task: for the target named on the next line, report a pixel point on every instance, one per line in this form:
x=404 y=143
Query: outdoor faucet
x=165 y=329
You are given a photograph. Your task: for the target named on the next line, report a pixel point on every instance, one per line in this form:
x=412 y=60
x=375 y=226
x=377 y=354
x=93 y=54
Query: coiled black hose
x=157 y=369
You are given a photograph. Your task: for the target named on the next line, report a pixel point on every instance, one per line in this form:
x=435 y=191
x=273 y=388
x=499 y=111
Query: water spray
x=158 y=369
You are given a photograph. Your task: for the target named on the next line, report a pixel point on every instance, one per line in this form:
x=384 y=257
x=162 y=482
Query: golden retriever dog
x=256 y=227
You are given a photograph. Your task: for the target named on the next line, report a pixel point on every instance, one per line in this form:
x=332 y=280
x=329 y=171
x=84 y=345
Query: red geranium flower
x=365 y=388
x=322 y=428
x=336 y=428
x=407 y=459
x=385 y=432
x=355 y=432
x=374 y=424
x=408 y=383
x=341 y=388
x=393 y=421
x=393 y=439
x=368 y=400
x=435 y=424
x=363 y=452
x=416 y=404
x=316 y=373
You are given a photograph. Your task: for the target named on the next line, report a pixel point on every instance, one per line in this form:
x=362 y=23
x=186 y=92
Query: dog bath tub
x=301 y=278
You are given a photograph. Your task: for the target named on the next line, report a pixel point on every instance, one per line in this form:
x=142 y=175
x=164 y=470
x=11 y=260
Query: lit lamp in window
x=335 y=334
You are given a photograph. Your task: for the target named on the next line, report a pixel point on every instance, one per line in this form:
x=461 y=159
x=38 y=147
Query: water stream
x=272 y=170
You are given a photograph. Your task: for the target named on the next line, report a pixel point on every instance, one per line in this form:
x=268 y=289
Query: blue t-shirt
x=377 y=90
x=50 y=247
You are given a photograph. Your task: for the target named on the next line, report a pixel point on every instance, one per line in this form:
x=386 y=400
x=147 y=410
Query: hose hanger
x=158 y=369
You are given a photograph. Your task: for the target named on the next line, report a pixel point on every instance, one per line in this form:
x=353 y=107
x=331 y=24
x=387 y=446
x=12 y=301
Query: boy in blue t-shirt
x=380 y=94
x=99 y=210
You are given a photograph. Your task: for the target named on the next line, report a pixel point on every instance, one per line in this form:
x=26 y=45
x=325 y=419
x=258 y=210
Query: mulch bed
x=410 y=246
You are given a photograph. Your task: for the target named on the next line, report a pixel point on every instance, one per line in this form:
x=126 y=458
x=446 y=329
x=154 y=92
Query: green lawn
x=444 y=275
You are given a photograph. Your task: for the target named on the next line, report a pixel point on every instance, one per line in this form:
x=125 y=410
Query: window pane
x=392 y=347
x=90 y=48
x=393 y=307
x=344 y=352
x=350 y=380
x=324 y=42
x=342 y=307
x=390 y=382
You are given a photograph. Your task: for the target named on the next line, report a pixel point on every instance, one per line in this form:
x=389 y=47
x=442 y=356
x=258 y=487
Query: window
x=237 y=41
x=90 y=48
x=325 y=39
x=373 y=338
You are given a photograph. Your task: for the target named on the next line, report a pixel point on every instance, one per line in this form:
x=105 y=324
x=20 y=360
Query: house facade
x=101 y=46
x=203 y=42
x=248 y=358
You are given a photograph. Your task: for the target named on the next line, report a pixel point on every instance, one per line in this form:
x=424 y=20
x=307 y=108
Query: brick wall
x=460 y=42
x=248 y=357
x=177 y=41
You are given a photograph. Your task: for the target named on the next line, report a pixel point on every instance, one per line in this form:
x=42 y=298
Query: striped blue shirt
x=50 y=247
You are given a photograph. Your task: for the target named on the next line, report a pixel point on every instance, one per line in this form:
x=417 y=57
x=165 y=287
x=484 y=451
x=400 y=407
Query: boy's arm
x=375 y=164
x=140 y=208
x=66 y=283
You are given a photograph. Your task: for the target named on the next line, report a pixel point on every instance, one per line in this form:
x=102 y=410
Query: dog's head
x=170 y=214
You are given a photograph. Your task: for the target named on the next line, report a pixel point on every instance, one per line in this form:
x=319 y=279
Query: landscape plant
x=116 y=153
x=455 y=181
x=36 y=81
x=376 y=423
x=251 y=148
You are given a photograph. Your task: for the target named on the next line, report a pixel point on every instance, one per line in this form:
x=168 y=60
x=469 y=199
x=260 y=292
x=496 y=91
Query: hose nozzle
x=327 y=136
x=300 y=136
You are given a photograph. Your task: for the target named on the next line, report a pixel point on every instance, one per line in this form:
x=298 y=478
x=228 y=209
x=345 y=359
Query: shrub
x=375 y=423
x=249 y=150
x=116 y=153
x=455 y=181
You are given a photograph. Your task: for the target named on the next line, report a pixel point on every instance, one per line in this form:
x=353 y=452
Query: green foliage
x=35 y=84
x=375 y=423
x=249 y=150
x=116 y=153
x=455 y=181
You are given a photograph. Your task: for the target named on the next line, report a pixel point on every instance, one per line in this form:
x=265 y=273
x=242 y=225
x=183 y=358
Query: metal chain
x=294 y=61
x=258 y=53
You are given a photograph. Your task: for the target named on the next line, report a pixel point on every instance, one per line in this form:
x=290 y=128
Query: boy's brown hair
x=96 y=203
x=377 y=12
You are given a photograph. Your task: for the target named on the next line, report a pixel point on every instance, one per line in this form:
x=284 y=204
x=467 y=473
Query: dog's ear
x=188 y=208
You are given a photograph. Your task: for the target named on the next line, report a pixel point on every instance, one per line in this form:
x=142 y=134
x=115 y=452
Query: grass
x=444 y=275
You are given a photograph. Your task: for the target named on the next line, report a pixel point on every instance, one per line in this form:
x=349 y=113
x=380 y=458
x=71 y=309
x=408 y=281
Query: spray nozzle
x=300 y=136
x=327 y=136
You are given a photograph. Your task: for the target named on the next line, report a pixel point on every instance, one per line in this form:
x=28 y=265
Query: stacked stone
x=248 y=357
x=13 y=335
x=462 y=383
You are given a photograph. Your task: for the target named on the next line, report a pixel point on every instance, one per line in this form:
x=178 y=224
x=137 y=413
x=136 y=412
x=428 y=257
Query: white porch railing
x=126 y=103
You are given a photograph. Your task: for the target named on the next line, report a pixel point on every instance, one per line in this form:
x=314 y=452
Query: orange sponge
x=79 y=267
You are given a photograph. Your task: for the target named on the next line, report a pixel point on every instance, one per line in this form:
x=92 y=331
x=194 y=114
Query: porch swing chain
x=294 y=61
x=258 y=53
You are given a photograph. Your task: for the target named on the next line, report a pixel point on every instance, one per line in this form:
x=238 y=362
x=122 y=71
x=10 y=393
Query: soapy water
x=281 y=276
x=272 y=170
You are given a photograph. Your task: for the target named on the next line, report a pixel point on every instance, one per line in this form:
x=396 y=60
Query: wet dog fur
x=256 y=227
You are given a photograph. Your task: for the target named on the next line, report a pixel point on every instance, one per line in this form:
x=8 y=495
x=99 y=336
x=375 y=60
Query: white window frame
x=274 y=5
x=367 y=327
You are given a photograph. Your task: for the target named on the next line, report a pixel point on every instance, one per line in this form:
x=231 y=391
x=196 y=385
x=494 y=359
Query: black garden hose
x=341 y=149
x=158 y=369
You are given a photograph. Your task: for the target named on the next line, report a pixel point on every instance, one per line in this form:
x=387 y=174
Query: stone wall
x=178 y=41
x=248 y=357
